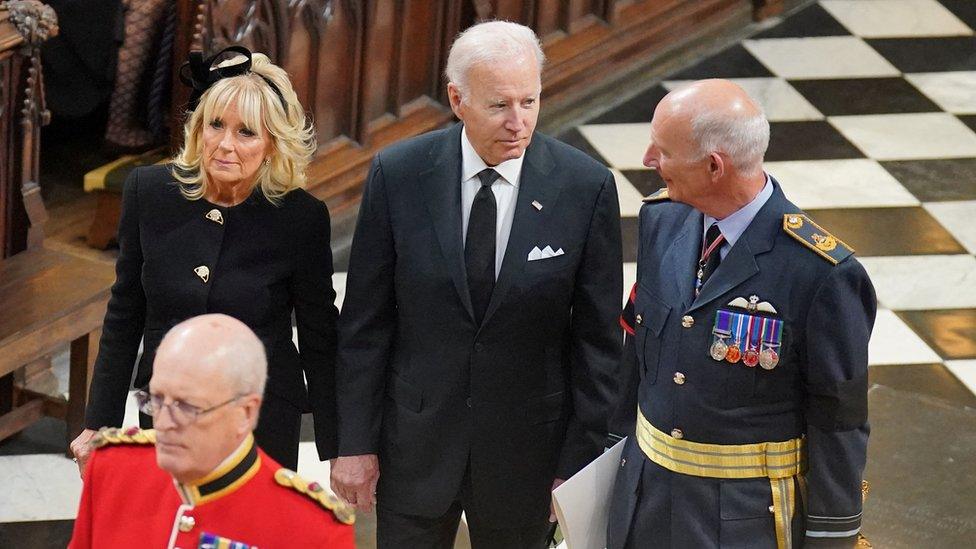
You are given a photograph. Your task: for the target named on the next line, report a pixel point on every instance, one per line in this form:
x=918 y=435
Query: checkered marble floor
x=872 y=106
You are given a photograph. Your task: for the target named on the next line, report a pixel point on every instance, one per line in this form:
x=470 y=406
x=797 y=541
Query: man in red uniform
x=198 y=480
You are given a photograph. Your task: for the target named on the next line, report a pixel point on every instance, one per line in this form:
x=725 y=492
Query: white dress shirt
x=505 y=189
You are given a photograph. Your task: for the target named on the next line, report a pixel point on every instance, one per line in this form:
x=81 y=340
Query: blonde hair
x=291 y=132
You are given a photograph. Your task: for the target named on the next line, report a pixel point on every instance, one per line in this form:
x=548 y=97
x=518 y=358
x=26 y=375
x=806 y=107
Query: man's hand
x=354 y=480
x=552 y=506
x=81 y=448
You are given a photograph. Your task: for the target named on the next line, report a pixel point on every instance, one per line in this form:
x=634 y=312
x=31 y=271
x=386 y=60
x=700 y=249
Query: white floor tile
x=622 y=145
x=339 y=284
x=629 y=197
x=778 y=98
x=630 y=277
x=854 y=183
x=923 y=281
x=310 y=467
x=895 y=18
x=908 y=136
x=955 y=92
x=965 y=370
x=38 y=487
x=822 y=57
x=893 y=342
x=959 y=218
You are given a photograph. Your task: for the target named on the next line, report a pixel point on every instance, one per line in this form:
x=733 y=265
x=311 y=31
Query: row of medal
x=748 y=338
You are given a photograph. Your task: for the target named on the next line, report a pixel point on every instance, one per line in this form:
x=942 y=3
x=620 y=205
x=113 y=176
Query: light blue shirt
x=732 y=226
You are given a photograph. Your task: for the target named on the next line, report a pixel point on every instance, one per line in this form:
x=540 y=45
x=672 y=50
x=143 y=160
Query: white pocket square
x=545 y=253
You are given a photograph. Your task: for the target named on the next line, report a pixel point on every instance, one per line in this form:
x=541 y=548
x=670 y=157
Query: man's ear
x=251 y=406
x=716 y=166
x=454 y=96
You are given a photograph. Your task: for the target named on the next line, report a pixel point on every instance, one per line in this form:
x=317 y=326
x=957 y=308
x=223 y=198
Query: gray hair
x=247 y=364
x=743 y=138
x=490 y=42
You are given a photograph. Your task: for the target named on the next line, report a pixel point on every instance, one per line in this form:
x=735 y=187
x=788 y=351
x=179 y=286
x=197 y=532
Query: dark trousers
x=399 y=531
x=279 y=426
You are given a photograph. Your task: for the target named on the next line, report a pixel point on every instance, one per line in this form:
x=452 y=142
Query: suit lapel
x=679 y=260
x=442 y=189
x=528 y=224
x=740 y=263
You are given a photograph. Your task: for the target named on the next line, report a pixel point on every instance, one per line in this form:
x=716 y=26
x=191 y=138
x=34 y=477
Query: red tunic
x=128 y=501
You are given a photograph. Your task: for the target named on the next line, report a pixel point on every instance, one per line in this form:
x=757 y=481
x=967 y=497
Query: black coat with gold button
x=255 y=261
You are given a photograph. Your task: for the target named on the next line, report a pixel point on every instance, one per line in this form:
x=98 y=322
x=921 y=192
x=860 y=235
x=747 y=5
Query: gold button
x=676 y=433
x=187 y=523
x=687 y=321
x=214 y=215
x=679 y=378
x=640 y=320
x=203 y=272
x=623 y=462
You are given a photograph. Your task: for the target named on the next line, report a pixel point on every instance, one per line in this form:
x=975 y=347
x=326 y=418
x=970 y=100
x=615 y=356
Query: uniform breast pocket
x=650 y=315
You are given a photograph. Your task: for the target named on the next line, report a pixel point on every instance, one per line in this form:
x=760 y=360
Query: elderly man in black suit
x=478 y=339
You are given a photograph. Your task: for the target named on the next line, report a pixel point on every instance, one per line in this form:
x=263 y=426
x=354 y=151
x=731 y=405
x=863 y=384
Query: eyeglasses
x=183 y=414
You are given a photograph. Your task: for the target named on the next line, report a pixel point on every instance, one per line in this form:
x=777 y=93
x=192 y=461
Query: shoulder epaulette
x=658 y=196
x=815 y=237
x=108 y=436
x=315 y=491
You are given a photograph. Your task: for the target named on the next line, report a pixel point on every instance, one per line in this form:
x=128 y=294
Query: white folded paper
x=582 y=503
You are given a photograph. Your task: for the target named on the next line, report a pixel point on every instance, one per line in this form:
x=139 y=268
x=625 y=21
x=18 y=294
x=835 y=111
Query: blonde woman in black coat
x=227 y=228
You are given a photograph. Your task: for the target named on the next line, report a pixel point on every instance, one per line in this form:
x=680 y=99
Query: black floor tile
x=888 y=231
x=813 y=140
x=575 y=138
x=864 y=96
x=810 y=21
x=45 y=436
x=950 y=332
x=645 y=181
x=38 y=534
x=733 y=62
x=963 y=9
x=936 y=180
x=628 y=230
x=638 y=109
x=934 y=54
x=933 y=380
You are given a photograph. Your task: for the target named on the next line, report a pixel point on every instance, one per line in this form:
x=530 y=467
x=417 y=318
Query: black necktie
x=479 y=244
x=710 y=256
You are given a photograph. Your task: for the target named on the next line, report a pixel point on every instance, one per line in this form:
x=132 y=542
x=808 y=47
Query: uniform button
x=679 y=378
x=203 y=272
x=687 y=321
x=676 y=433
x=468 y=402
x=623 y=462
x=772 y=509
x=640 y=320
x=187 y=523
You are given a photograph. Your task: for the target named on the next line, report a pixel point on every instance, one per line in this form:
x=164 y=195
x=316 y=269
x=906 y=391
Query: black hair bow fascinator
x=199 y=73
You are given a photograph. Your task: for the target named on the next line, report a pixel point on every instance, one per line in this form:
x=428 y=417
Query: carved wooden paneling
x=370 y=71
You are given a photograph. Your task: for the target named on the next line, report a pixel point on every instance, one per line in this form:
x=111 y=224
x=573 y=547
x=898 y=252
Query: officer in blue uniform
x=750 y=327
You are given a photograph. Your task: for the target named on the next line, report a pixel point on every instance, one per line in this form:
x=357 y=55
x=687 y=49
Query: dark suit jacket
x=265 y=261
x=818 y=390
x=525 y=396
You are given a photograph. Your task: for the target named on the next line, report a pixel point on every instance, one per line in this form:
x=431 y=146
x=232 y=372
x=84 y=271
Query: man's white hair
x=744 y=138
x=490 y=42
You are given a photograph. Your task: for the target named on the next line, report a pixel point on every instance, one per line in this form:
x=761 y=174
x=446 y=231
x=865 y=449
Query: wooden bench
x=49 y=299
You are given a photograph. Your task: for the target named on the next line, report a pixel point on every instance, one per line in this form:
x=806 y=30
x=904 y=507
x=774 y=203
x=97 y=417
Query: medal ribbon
x=723 y=323
x=703 y=258
x=774 y=335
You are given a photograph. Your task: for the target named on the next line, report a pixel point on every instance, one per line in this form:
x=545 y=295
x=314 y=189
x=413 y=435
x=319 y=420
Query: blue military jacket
x=817 y=390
